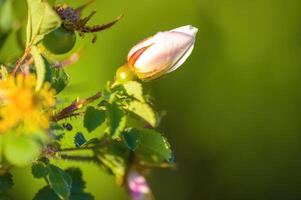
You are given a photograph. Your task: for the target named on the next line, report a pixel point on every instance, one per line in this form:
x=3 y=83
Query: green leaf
x=46 y=193
x=39 y=169
x=6 y=16
x=48 y=71
x=40 y=66
x=148 y=144
x=114 y=157
x=76 y=192
x=134 y=89
x=93 y=118
x=42 y=19
x=20 y=150
x=116 y=120
x=78 y=184
x=81 y=196
x=60 y=79
x=59 y=181
x=142 y=110
x=79 y=139
x=6 y=181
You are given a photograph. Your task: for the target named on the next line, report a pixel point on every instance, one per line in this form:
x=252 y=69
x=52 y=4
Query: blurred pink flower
x=138 y=187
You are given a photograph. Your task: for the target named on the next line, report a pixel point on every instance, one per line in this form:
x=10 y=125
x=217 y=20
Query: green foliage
x=40 y=66
x=71 y=181
x=59 y=181
x=6 y=181
x=79 y=139
x=46 y=193
x=109 y=133
x=114 y=157
x=39 y=169
x=134 y=89
x=42 y=19
x=143 y=110
x=59 y=79
x=116 y=120
x=149 y=144
x=93 y=118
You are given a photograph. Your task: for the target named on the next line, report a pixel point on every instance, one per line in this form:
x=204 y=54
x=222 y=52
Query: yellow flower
x=21 y=106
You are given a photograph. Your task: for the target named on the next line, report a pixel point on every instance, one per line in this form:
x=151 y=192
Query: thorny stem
x=24 y=56
x=75 y=105
x=79 y=158
x=22 y=59
x=76 y=149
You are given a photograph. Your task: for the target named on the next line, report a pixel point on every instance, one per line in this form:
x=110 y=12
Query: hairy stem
x=74 y=106
x=79 y=158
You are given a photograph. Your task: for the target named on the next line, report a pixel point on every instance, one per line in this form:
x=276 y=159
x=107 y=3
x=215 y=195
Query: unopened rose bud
x=162 y=53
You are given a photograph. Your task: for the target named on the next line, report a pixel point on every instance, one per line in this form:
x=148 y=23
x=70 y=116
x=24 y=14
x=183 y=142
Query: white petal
x=167 y=49
x=140 y=45
x=188 y=29
x=182 y=60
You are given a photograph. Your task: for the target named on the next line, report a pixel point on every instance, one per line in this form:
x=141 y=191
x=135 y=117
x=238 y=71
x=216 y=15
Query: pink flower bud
x=162 y=53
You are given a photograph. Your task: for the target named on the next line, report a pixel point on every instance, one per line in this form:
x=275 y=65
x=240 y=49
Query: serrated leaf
x=39 y=169
x=78 y=184
x=59 y=181
x=93 y=118
x=134 y=89
x=79 y=139
x=46 y=193
x=76 y=192
x=114 y=157
x=116 y=120
x=39 y=65
x=148 y=144
x=20 y=150
x=42 y=19
x=81 y=196
x=6 y=181
x=59 y=80
x=143 y=110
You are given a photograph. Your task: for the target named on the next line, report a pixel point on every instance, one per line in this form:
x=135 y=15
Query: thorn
x=79 y=9
x=98 y=28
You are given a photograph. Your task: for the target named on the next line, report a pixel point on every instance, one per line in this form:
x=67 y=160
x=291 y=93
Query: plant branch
x=75 y=105
x=78 y=158
x=24 y=56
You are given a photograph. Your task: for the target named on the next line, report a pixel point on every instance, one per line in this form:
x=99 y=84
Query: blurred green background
x=233 y=109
